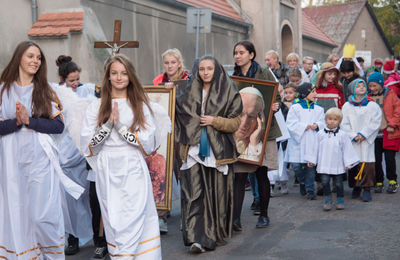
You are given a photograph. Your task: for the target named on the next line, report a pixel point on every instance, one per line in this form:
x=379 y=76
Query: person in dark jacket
x=244 y=54
x=279 y=69
x=347 y=68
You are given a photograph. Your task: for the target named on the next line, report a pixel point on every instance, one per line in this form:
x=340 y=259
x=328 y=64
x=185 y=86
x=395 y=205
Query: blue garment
x=204 y=150
x=305 y=174
x=304 y=103
x=254 y=186
x=364 y=102
x=336 y=180
x=41 y=125
x=9 y=126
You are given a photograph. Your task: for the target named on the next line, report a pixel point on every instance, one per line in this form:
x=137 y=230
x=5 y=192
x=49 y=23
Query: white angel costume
x=301 y=144
x=123 y=182
x=77 y=214
x=31 y=224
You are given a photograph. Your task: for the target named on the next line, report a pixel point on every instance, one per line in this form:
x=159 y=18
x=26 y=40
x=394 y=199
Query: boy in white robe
x=303 y=121
x=334 y=154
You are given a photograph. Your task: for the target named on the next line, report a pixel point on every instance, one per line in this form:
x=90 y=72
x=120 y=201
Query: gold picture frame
x=269 y=91
x=161 y=163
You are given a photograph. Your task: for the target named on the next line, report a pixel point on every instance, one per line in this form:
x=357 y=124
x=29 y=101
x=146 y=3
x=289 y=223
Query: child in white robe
x=361 y=121
x=303 y=121
x=123 y=133
x=334 y=154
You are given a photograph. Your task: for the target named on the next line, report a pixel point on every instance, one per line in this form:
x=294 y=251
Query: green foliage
x=388 y=14
x=386 y=11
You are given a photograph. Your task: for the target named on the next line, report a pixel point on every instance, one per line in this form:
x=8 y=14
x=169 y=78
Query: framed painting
x=160 y=163
x=257 y=98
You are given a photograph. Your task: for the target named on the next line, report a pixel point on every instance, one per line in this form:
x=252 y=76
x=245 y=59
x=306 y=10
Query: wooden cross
x=117 y=44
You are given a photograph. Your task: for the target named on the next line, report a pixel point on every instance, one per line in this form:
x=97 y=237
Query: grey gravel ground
x=300 y=229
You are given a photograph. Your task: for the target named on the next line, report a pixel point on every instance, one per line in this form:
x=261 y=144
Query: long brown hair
x=135 y=94
x=42 y=94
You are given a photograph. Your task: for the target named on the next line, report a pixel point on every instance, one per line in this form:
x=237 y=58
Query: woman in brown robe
x=207 y=115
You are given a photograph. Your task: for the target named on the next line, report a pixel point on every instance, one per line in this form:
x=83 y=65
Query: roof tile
x=57 y=24
x=221 y=7
x=311 y=29
x=336 y=20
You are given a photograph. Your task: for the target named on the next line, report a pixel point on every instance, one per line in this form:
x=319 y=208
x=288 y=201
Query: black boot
x=73 y=245
x=355 y=194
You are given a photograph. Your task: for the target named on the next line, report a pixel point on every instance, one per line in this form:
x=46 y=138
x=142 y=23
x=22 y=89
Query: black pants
x=264 y=189
x=390 y=161
x=96 y=216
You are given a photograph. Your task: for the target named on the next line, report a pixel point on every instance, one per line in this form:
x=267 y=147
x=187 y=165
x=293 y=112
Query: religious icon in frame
x=160 y=163
x=257 y=98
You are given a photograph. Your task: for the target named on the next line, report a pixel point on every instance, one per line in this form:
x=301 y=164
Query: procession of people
x=73 y=156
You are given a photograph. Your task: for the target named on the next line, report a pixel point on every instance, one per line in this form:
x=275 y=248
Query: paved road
x=300 y=229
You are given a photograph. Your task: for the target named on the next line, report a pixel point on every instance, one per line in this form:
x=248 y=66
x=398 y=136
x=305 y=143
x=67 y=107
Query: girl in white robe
x=123 y=182
x=31 y=223
x=361 y=121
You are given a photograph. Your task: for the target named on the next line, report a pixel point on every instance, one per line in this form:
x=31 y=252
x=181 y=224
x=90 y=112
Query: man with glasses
x=307 y=71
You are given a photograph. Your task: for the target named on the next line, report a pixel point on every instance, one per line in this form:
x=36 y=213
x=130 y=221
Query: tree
x=388 y=14
x=386 y=11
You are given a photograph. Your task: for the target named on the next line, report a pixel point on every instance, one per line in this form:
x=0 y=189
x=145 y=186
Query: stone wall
x=159 y=26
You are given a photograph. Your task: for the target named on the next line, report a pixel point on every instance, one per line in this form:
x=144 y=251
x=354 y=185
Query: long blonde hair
x=178 y=55
x=135 y=92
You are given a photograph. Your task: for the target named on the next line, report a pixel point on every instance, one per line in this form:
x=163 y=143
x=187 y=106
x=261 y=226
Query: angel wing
x=74 y=108
x=163 y=122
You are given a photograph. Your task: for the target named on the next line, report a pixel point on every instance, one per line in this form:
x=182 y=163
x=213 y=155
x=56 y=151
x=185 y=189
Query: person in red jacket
x=388 y=139
x=174 y=68
x=392 y=78
x=329 y=91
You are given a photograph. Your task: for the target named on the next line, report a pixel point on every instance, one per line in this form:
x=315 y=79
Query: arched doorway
x=287 y=41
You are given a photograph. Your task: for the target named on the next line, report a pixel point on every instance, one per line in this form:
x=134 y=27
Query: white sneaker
x=163 y=226
x=196 y=248
x=275 y=191
x=284 y=189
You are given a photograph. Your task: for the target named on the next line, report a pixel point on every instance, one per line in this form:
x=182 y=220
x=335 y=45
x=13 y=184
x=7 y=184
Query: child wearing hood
x=361 y=121
x=388 y=139
x=329 y=91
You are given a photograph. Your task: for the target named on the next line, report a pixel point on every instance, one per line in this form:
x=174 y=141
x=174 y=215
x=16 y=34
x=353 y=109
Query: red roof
x=311 y=29
x=337 y=20
x=221 y=7
x=57 y=24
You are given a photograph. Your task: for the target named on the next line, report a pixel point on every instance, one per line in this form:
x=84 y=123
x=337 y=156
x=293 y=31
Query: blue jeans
x=337 y=180
x=254 y=186
x=305 y=174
